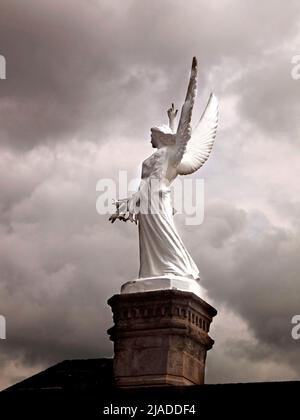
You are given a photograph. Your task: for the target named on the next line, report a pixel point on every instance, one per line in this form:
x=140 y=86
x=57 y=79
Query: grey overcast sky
x=85 y=82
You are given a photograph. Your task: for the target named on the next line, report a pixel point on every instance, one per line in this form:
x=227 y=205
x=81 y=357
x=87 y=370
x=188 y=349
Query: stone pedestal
x=160 y=338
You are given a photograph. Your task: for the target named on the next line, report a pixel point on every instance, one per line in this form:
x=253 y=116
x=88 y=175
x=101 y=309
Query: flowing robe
x=162 y=252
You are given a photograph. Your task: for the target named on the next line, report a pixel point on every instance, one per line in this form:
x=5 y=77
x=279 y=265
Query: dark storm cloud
x=256 y=276
x=270 y=88
x=56 y=276
x=84 y=69
x=53 y=56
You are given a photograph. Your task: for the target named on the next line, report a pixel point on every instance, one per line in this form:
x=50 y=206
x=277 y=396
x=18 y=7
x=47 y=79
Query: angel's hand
x=172 y=113
x=114 y=217
x=126 y=210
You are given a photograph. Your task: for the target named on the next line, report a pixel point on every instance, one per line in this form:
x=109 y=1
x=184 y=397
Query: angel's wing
x=184 y=129
x=198 y=147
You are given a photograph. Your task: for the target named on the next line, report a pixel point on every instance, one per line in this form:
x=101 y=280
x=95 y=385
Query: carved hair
x=163 y=134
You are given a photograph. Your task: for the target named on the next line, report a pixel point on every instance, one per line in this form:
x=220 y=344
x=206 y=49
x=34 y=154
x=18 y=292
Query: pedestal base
x=160 y=338
x=168 y=282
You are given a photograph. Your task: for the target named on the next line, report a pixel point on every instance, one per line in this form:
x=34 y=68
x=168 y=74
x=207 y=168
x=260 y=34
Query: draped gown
x=162 y=252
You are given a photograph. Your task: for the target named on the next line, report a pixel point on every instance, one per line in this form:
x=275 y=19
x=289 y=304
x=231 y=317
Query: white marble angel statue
x=164 y=261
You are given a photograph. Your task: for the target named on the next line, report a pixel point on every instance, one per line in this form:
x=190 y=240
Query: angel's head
x=162 y=136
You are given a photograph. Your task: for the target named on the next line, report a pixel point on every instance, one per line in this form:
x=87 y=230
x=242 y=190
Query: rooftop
x=86 y=388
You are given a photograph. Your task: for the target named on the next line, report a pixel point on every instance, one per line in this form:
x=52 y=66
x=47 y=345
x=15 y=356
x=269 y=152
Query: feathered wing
x=198 y=147
x=184 y=129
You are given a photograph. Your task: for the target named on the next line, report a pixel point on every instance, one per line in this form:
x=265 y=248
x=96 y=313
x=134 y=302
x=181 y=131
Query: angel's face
x=154 y=138
x=162 y=136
